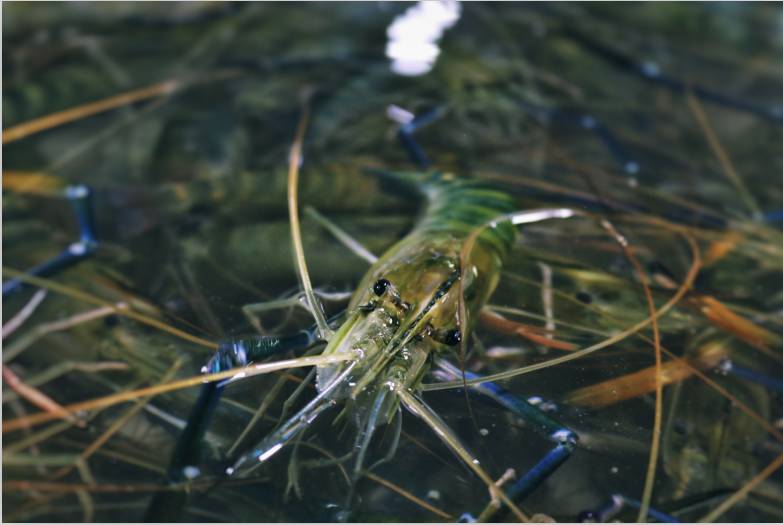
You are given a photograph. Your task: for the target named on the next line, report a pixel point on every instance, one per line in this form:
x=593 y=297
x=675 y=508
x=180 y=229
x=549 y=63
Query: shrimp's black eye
x=453 y=337
x=380 y=286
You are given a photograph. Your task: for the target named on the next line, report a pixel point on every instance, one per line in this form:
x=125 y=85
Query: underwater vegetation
x=578 y=316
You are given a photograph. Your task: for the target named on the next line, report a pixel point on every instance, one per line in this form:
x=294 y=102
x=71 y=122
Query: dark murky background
x=642 y=113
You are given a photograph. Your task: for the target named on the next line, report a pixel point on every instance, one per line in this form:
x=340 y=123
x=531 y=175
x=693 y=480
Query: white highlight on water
x=413 y=35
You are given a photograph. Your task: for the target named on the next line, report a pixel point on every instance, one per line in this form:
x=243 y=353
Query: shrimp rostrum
x=416 y=306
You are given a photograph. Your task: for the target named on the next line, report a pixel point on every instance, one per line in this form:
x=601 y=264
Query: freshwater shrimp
x=417 y=302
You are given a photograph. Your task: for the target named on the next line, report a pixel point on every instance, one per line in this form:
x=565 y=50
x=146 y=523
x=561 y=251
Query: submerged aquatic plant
x=180 y=120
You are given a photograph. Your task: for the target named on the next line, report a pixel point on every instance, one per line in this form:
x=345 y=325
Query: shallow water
x=540 y=99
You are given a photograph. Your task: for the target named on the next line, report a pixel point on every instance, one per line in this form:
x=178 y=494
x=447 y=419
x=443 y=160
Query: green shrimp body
x=407 y=306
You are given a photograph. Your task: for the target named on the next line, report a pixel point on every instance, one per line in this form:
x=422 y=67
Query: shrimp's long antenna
x=294 y=159
x=649 y=480
x=685 y=287
x=446 y=435
x=130 y=395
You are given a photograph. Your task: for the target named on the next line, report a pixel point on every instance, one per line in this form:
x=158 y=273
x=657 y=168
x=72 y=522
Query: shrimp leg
x=614 y=145
x=773 y=383
x=81 y=200
x=269 y=446
x=564 y=439
x=409 y=124
x=421 y=410
x=251 y=311
x=651 y=72
x=232 y=353
x=341 y=235
x=615 y=505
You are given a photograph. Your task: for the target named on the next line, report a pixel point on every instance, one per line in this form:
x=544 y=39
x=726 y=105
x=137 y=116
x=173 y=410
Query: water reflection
x=413 y=35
